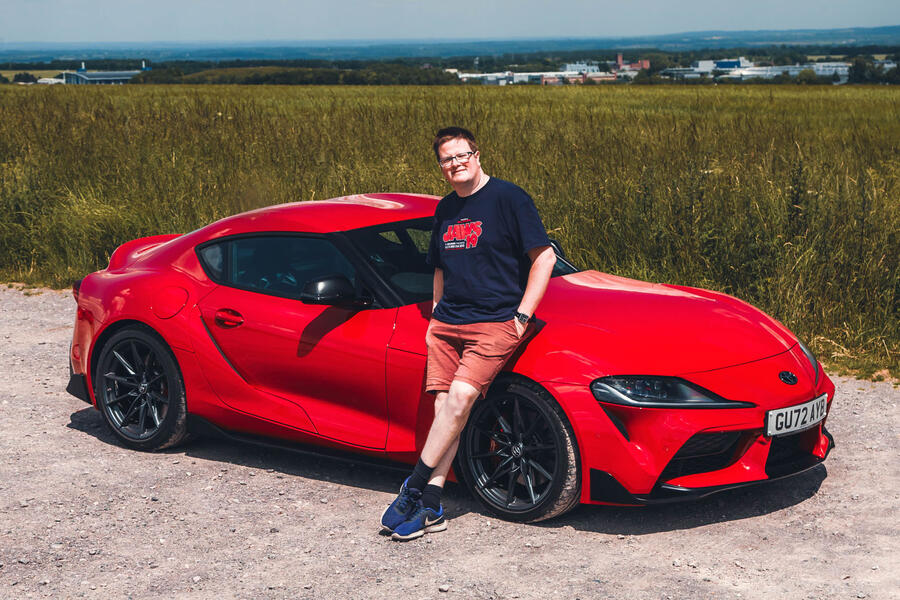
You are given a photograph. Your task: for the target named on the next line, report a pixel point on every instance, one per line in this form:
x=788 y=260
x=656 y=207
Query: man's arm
x=543 y=259
x=438 y=288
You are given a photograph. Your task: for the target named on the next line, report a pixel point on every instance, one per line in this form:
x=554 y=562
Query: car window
x=397 y=252
x=279 y=264
x=213 y=259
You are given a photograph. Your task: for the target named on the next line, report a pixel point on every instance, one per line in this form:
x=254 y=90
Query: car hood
x=634 y=327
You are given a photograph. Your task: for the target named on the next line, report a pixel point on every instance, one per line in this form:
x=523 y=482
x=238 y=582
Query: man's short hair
x=453 y=133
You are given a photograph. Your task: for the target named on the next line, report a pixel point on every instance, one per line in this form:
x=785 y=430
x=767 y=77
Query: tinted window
x=213 y=259
x=279 y=265
x=398 y=250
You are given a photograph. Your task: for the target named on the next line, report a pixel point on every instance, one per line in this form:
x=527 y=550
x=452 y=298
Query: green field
x=786 y=197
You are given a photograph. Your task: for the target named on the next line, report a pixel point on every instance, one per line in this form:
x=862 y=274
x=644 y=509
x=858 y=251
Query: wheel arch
x=507 y=377
x=109 y=331
x=518 y=383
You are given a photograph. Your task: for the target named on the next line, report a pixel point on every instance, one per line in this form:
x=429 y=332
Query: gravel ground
x=80 y=516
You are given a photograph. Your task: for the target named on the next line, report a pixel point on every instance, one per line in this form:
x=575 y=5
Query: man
x=492 y=264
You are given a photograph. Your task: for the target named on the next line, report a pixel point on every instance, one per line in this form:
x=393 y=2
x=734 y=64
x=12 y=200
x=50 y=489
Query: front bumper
x=635 y=455
x=782 y=462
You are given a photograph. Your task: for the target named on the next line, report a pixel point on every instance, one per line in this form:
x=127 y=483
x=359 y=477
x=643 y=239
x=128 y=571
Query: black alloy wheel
x=140 y=390
x=518 y=454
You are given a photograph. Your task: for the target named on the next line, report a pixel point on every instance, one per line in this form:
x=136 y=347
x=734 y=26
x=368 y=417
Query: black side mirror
x=557 y=248
x=334 y=290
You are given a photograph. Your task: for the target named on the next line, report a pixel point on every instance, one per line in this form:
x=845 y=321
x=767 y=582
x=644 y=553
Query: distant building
x=82 y=76
x=574 y=73
x=99 y=77
x=822 y=69
x=708 y=68
x=588 y=66
x=621 y=65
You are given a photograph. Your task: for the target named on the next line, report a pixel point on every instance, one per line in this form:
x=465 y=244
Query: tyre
x=518 y=454
x=140 y=390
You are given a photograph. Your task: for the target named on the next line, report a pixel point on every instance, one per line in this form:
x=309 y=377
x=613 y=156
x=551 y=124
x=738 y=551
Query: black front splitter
x=605 y=488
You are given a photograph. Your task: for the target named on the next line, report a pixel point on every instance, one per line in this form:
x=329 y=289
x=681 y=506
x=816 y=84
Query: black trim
x=608 y=489
x=704 y=452
x=614 y=418
x=216 y=344
x=201 y=426
x=78 y=387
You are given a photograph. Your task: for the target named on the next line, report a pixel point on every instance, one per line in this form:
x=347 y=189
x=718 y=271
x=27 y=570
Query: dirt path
x=81 y=516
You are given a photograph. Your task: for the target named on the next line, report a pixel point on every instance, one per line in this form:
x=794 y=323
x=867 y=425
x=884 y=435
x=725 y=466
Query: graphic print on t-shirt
x=462 y=234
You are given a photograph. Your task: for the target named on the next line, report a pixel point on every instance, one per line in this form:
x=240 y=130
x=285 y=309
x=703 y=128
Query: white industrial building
x=582 y=67
x=822 y=69
x=510 y=77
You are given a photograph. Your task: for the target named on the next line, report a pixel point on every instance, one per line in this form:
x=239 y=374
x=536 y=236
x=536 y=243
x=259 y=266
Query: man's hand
x=520 y=328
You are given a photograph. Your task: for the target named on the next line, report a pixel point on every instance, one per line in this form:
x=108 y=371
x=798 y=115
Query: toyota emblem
x=788 y=377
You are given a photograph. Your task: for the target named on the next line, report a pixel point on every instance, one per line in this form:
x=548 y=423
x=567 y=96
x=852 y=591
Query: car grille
x=791 y=453
x=703 y=452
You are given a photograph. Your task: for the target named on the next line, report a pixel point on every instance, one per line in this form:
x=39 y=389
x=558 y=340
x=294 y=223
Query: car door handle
x=227 y=318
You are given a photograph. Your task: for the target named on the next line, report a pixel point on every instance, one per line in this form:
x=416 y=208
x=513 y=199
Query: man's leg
x=447 y=425
x=451 y=412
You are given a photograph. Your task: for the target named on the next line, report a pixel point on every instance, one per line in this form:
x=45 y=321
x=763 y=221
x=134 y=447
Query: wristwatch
x=522 y=318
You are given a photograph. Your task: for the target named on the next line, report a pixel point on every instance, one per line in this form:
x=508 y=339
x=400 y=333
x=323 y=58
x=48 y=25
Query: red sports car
x=305 y=323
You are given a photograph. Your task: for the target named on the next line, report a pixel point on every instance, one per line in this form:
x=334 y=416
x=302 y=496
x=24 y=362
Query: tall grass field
x=786 y=197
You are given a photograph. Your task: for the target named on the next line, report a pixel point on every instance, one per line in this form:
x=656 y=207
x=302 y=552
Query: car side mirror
x=333 y=290
x=557 y=248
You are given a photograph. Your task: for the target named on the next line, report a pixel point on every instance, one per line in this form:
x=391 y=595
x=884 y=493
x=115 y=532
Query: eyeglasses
x=462 y=158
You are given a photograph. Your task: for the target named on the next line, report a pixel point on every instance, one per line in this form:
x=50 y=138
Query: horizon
x=318 y=43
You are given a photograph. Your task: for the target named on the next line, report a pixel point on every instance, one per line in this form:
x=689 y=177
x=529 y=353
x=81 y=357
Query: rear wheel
x=140 y=390
x=518 y=454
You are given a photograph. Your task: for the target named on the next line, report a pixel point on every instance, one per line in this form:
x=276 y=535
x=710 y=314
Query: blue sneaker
x=407 y=502
x=425 y=520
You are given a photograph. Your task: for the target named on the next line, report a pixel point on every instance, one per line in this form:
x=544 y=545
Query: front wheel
x=140 y=390
x=518 y=454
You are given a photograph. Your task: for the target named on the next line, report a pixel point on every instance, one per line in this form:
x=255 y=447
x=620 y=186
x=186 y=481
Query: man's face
x=457 y=172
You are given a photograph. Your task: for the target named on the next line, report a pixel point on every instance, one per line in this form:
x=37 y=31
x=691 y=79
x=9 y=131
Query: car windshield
x=397 y=251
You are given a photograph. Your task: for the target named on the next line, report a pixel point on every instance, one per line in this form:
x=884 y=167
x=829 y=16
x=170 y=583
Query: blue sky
x=302 y=20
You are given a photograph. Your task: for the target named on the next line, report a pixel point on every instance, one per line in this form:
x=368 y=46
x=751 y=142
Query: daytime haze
x=233 y=20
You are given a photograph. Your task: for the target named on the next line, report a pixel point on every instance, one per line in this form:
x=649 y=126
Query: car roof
x=323 y=216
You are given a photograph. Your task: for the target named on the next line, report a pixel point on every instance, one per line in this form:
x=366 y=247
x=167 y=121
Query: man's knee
x=460 y=399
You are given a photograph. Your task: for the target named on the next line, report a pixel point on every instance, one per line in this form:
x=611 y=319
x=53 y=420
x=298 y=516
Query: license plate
x=796 y=418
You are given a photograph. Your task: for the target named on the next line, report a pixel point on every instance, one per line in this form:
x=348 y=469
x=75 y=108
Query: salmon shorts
x=473 y=352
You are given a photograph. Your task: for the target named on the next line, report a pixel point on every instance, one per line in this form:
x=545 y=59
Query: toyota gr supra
x=305 y=324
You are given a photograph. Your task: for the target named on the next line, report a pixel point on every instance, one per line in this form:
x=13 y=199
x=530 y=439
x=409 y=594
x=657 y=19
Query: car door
x=328 y=360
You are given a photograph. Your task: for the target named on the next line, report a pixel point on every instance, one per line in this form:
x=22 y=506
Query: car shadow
x=383 y=476
x=350 y=470
x=730 y=505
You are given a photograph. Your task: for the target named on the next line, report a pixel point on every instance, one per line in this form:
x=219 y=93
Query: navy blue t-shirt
x=481 y=243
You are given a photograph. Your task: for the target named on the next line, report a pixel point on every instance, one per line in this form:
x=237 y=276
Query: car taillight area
x=85 y=326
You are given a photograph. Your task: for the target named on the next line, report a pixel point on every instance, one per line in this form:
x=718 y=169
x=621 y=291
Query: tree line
x=430 y=71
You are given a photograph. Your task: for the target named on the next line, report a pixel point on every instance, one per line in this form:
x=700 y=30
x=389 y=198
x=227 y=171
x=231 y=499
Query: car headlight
x=811 y=358
x=658 y=392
